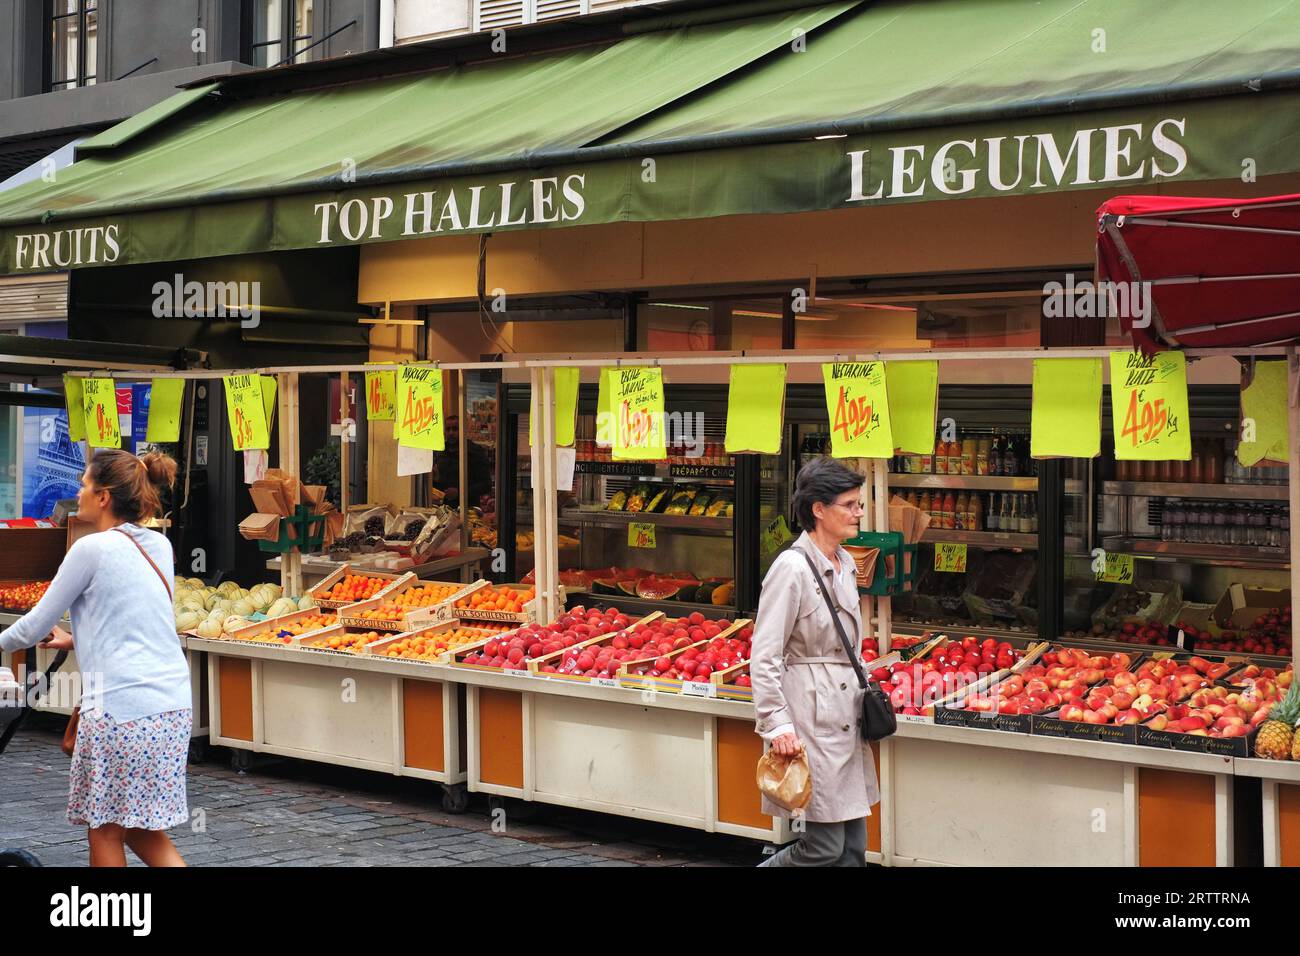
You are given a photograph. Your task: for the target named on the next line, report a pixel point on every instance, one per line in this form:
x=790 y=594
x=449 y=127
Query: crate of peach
x=512 y=651
x=284 y=629
x=431 y=644
x=341 y=640
x=596 y=659
x=512 y=603
x=680 y=655
x=344 y=586
x=405 y=606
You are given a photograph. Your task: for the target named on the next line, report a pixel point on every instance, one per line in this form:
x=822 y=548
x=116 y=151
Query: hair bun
x=161 y=468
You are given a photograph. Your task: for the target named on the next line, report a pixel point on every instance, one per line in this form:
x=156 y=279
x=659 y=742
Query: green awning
x=928 y=99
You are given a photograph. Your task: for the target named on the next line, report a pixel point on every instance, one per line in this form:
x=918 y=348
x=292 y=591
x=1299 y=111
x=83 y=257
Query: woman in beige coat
x=805 y=691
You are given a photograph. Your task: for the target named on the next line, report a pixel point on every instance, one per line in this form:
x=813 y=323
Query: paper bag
x=786 y=781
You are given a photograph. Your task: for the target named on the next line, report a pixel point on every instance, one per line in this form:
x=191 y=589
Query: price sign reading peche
x=381 y=396
x=99 y=408
x=637 y=396
x=641 y=534
x=419 y=407
x=857 y=403
x=247 y=412
x=1148 y=399
x=1118 y=569
x=950 y=556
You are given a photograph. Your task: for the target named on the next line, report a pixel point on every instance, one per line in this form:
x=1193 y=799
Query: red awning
x=1223 y=272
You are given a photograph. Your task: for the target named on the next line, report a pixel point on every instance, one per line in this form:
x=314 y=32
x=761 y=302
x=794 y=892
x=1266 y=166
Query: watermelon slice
x=667 y=588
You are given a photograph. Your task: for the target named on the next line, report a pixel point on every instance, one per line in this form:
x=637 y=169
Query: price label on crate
x=604 y=682
x=1118 y=569
x=950 y=556
x=693 y=688
x=641 y=534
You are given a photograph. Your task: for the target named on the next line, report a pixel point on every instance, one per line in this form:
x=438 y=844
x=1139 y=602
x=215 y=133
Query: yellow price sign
x=247 y=412
x=857 y=404
x=950 y=556
x=381 y=396
x=1118 y=569
x=419 y=399
x=1148 y=398
x=641 y=534
x=637 y=395
x=99 y=408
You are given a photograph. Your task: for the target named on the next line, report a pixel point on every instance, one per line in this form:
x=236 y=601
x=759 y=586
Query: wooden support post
x=867 y=605
x=1293 y=473
x=345 y=455
x=463 y=459
x=545 y=515
x=290 y=561
x=880 y=493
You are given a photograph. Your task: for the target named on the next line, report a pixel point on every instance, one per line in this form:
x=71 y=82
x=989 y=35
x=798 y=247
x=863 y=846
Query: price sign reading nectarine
x=857 y=402
x=637 y=396
x=1148 y=401
x=99 y=407
x=419 y=407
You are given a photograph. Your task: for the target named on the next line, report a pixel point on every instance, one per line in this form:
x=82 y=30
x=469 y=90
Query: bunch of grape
x=375 y=526
x=413 y=529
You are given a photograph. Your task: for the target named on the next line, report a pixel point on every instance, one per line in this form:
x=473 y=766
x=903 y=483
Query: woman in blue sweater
x=127 y=779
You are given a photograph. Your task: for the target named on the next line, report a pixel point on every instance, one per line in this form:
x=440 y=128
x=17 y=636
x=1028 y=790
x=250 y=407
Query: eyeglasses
x=853 y=507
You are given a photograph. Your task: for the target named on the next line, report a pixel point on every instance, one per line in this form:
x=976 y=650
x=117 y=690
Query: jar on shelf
x=1196 y=474
x=1214 y=461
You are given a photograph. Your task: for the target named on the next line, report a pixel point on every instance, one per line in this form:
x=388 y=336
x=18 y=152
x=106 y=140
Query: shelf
x=977 y=482
x=629 y=604
x=983 y=539
x=1228 y=555
x=714 y=527
x=1186 y=489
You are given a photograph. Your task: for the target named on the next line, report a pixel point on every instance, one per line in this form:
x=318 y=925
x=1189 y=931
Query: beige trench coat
x=802 y=681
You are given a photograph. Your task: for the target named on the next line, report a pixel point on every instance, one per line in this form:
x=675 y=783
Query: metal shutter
x=494 y=14
x=555 y=9
x=33 y=298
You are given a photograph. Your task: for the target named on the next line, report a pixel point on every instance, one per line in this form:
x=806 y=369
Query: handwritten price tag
x=641 y=534
x=1118 y=569
x=1148 y=395
x=381 y=396
x=99 y=406
x=693 y=688
x=246 y=411
x=637 y=395
x=419 y=407
x=857 y=403
x=950 y=556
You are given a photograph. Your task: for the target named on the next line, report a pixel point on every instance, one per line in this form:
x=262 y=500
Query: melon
x=210 y=629
x=306 y=602
x=187 y=621
x=233 y=623
x=228 y=588
x=242 y=608
x=605 y=586
x=210 y=601
x=282 y=607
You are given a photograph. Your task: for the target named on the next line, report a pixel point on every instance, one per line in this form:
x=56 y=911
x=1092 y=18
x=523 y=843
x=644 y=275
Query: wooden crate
x=527 y=616
x=271 y=624
x=377 y=648
x=327 y=582
x=536 y=664
x=673 y=685
x=309 y=642
x=418 y=617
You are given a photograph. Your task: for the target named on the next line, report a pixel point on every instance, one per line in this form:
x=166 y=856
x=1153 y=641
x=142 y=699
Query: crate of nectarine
x=410 y=603
x=340 y=640
x=511 y=652
x=431 y=644
x=509 y=603
x=681 y=655
x=345 y=586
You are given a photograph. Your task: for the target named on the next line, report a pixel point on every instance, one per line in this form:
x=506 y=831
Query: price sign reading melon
x=1118 y=569
x=1148 y=399
x=99 y=408
x=637 y=395
x=381 y=396
x=950 y=556
x=419 y=407
x=246 y=412
x=857 y=403
x=641 y=534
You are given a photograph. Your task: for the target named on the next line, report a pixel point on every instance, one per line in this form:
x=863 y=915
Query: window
x=709 y=325
x=281 y=29
x=494 y=14
x=72 y=43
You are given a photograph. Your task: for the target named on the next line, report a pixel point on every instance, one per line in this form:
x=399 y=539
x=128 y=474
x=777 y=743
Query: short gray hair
x=824 y=480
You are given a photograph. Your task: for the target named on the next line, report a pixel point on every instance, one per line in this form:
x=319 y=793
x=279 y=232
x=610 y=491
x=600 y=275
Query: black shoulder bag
x=878 y=720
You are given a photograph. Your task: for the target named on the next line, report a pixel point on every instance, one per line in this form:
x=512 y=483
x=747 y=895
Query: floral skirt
x=132 y=773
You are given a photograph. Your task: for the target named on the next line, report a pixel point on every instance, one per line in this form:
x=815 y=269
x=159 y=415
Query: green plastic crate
x=309 y=530
x=890 y=544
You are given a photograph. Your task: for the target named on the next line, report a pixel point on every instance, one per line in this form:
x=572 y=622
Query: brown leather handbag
x=69 y=743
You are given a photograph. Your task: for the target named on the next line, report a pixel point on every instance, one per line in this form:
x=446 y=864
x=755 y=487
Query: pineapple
x=1277 y=734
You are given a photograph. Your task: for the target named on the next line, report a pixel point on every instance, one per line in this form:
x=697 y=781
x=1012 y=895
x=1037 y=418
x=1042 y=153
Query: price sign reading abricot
x=246 y=412
x=950 y=556
x=99 y=407
x=637 y=395
x=419 y=407
x=1148 y=400
x=857 y=403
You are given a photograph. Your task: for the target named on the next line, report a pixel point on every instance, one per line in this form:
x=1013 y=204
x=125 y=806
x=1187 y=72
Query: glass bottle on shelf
x=923 y=502
x=940 y=457
x=959 y=513
x=982 y=449
x=949 y=511
x=1011 y=516
x=968 y=446
x=1171 y=521
x=1220 y=524
x=1166 y=470
x=976 y=518
x=927 y=463
x=1214 y=462
x=995 y=455
x=1285 y=521
x=1197 y=471
x=1026 y=516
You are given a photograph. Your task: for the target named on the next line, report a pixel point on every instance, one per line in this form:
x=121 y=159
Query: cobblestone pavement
x=297 y=813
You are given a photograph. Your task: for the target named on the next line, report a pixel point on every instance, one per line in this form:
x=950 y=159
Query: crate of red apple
x=677 y=643
x=711 y=647
x=512 y=650
x=916 y=684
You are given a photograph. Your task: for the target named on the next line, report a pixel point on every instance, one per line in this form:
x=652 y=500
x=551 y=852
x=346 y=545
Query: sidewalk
x=296 y=813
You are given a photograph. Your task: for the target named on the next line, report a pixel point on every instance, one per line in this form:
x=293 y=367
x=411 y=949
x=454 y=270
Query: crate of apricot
x=407 y=605
x=512 y=651
x=513 y=603
x=283 y=629
x=431 y=644
x=345 y=586
x=341 y=640
x=680 y=655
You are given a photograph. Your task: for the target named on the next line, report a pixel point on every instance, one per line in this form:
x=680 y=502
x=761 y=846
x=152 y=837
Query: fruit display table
x=373 y=713
x=468 y=565
x=1280 y=803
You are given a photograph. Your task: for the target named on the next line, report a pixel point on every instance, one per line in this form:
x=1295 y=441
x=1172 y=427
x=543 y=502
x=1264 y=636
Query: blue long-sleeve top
x=129 y=655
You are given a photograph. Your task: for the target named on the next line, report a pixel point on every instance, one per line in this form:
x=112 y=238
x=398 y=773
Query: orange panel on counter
x=1175 y=818
x=873 y=821
x=501 y=737
x=235 y=677
x=738 y=750
x=422 y=725
x=1288 y=820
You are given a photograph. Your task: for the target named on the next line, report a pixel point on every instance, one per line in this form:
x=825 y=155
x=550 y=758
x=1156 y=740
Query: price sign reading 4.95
x=950 y=556
x=419 y=407
x=247 y=412
x=857 y=403
x=99 y=405
x=1148 y=395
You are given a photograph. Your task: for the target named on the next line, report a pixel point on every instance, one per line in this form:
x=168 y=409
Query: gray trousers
x=826 y=844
